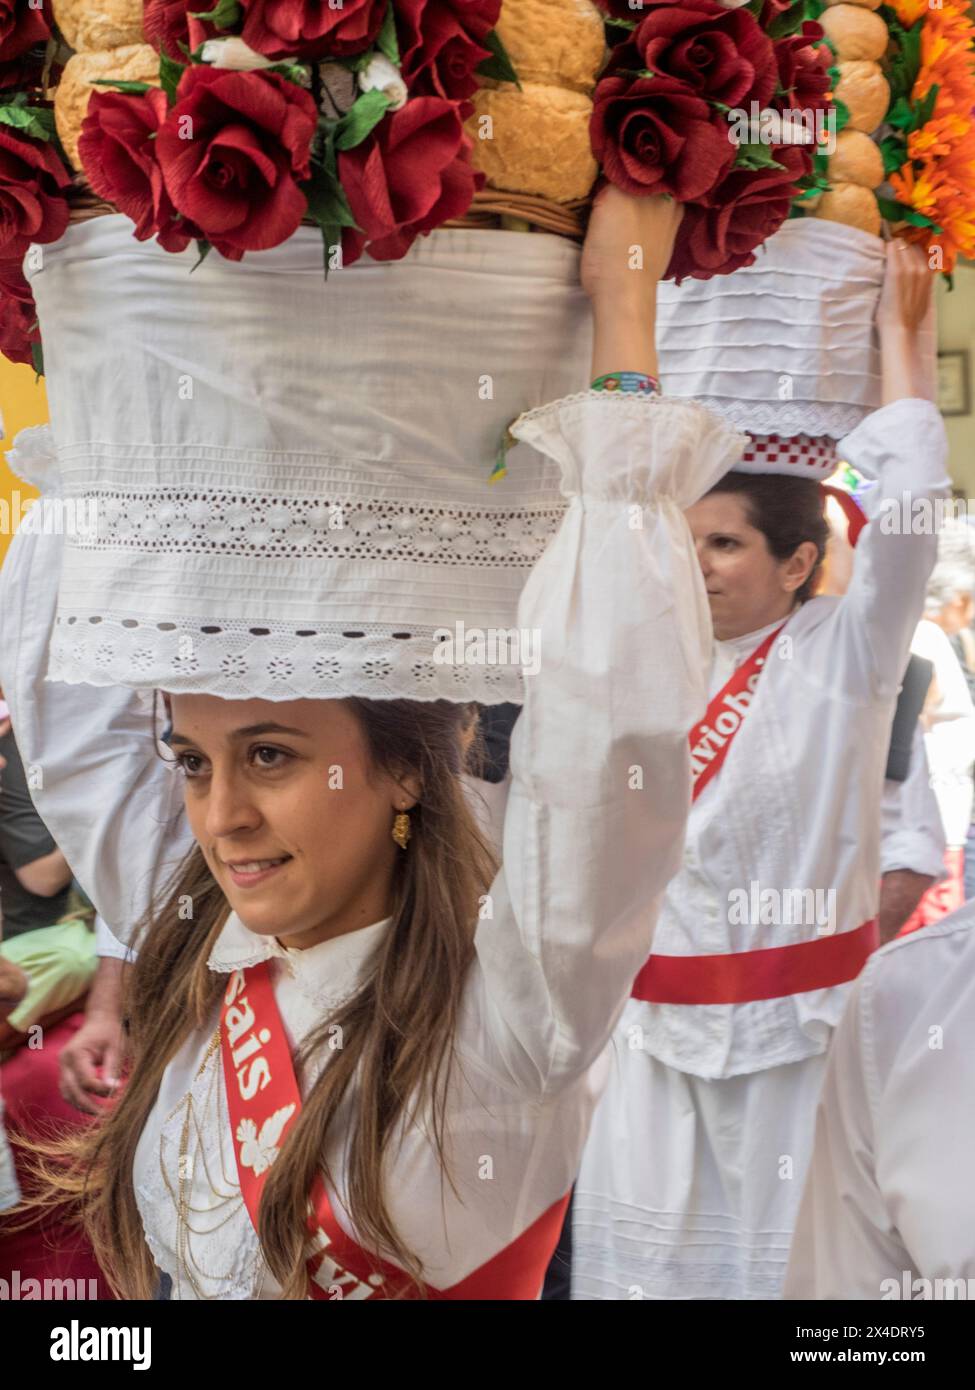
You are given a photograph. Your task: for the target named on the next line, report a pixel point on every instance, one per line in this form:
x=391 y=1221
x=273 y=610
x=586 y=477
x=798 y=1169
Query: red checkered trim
x=803 y=451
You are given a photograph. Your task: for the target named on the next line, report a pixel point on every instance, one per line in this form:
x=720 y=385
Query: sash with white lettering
x=711 y=739
x=263 y=1101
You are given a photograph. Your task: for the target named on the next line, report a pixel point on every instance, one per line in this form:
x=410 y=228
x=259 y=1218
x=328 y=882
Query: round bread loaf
x=852 y=205
x=856 y=159
x=136 y=62
x=534 y=141
x=865 y=92
x=863 y=4
x=554 y=41
x=90 y=25
x=855 y=33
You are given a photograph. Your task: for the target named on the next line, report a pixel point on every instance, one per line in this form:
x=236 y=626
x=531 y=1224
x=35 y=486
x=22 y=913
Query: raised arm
x=114 y=809
x=601 y=788
x=904 y=446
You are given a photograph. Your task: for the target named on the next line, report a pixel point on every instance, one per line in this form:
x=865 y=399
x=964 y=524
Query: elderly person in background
x=948 y=717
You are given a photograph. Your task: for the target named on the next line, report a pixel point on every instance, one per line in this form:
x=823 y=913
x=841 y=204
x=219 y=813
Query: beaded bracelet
x=627 y=381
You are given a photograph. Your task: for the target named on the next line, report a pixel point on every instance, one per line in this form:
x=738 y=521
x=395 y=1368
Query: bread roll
x=561 y=42
x=856 y=34
x=856 y=159
x=852 y=205
x=863 y=4
x=90 y=25
x=537 y=140
x=136 y=62
x=865 y=92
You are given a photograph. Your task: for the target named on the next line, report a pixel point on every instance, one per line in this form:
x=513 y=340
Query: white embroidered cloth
x=290 y=478
x=787 y=346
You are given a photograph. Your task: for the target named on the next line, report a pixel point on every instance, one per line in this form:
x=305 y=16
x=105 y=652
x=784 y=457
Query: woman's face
x=291 y=816
x=747 y=587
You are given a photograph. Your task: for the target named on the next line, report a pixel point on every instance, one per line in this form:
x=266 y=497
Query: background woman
x=692 y=1174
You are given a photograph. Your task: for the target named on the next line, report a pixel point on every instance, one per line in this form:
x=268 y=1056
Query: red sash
x=741 y=977
x=264 y=1102
x=711 y=739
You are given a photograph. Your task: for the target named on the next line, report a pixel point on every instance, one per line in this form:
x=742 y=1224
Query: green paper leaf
x=756 y=156
x=894 y=150
x=360 y=119
x=37 y=357
x=387 y=42
x=842 y=114
x=36 y=122
x=499 y=66
x=225 y=14
x=169 y=74
x=327 y=203
x=897 y=212
x=204 y=249
x=136 y=89
x=298 y=73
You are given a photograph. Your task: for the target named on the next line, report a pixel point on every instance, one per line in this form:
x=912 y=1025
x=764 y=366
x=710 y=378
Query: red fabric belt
x=744 y=976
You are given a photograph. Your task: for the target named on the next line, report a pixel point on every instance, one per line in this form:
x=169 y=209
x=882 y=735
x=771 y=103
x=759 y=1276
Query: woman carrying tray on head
x=333 y=1004
x=693 y=1169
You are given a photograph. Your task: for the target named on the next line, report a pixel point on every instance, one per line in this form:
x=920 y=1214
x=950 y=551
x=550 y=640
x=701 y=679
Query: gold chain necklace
x=187 y=1260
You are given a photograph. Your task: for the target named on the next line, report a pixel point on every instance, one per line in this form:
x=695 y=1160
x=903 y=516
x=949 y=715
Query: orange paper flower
x=939 y=178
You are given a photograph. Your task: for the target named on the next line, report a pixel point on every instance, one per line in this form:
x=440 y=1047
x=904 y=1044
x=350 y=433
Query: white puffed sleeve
x=114 y=808
x=904 y=447
x=600 y=792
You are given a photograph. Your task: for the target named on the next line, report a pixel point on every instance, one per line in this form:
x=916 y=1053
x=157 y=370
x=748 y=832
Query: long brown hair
x=397 y=1031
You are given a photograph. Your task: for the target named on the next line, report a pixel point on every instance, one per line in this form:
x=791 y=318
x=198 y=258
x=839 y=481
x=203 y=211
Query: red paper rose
x=117 y=147
x=803 y=70
x=652 y=135
x=311 y=28
x=32 y=201
x=18 y=314
x=411 y=174
x=720 y=54
x=21 y=26
x=721 y=234
x=167 y=23
x=232 y=151
x=442 y=43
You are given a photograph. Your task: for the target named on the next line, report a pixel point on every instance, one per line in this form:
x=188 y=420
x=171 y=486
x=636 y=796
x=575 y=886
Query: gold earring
x=401 y=829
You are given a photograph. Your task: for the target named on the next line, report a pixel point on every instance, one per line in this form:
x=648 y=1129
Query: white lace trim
x=788 y=417
x=276 y=661
x=217 y=522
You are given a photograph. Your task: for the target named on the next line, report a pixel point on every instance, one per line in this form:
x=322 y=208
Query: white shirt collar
x=735 y=650
x=332 y=967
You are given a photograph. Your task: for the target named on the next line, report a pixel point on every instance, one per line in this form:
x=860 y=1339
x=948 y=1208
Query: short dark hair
x=787 y=511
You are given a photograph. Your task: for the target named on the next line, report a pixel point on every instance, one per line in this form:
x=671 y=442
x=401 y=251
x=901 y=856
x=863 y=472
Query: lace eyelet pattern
x=198 y=522
x=273 y=661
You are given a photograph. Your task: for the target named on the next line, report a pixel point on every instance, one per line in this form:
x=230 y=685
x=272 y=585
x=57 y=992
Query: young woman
x=361 y=1068
x=692 y=1173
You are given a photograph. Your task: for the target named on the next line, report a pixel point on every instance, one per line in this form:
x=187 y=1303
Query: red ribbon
x=712 y=738
x=264 y=1101
x=855 y=517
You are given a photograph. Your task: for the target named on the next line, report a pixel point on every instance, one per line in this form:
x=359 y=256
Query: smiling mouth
x=245 y=872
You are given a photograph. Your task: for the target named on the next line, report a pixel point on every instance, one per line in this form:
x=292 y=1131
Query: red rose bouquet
x=720 y=105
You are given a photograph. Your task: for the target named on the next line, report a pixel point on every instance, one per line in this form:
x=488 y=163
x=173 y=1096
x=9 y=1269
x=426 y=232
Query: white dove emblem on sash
x=258 y=1151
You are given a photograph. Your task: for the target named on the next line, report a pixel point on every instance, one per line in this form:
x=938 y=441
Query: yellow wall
x=22 y=403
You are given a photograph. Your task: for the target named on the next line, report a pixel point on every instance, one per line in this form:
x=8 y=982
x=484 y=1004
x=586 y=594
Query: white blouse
x=887 y=1212
x=593 y=830
x=797 y=804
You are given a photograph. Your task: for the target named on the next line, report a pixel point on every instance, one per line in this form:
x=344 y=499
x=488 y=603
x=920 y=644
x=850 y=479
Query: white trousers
x=690 y=1188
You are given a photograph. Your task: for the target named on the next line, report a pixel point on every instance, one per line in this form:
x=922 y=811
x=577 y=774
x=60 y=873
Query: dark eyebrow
x=251 y=731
